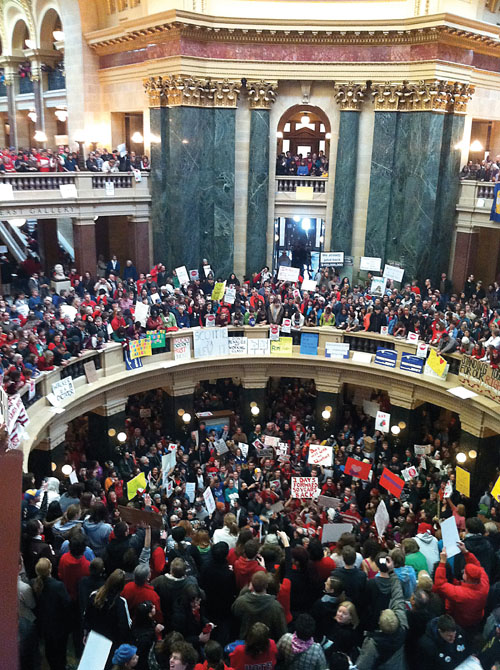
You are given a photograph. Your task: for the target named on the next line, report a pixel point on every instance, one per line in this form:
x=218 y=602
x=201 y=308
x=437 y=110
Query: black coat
x=354 y=581
x=52 y=609
x=218 y=582
x=112 y=620
x=482 y=550
x=434 y=652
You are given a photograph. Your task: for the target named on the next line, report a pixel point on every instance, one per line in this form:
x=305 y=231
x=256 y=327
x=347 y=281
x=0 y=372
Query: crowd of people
x=481 y=170
x=42 y=326
x=311 y=165
x=64 y=159
x=226 y=569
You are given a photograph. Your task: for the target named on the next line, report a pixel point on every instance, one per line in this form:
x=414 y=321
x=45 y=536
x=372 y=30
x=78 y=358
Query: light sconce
x=461 y=457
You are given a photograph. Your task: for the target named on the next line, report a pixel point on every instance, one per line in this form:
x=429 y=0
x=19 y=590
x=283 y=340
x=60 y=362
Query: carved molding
x=350 y=96
x=423 y=96
x=261 y=94
x=172 y=91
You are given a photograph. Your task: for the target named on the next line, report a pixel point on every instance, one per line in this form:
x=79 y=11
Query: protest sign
x=320 y=454
x=333 y=531
x=283 y=347
x=270 y=441
x=136 y=516
x=207 y=270
x=370 y=408
x=139 y=348
x=412 y=337
x=141 y=313
x=210 y=342
x=136 y=484
x=448 y=490
x=95 y=653
x=422 y=349
x=208 y=497
x=393 y=272
x=145 y=412
x=221 y=447
x=337 y=349
x=90 y=372
x=332 y=259
x=381 y=518
x=157 y=338
x=277 y=507
x=384 y=330
x=304 y=487
x=437 y=363
x=274 y=332
x=378 y=285
x=409 y=473
x=194 y=275
x=421 y=449
x=258 y=444
x=237 y=346
x=326 y=501
x=258 y=346
x=282 y=448
x=155 y=297
x=244 y=448
x=182 y=275
x=309 y=285
x=361 y=357
x=267 y=452
x=391 y=482
x=370 y=263
x=382 y=421
x=355 y=468
x=386 y=357
x=286 y=325
x=450 y=536
x=411 y=363
x=63 y=389
x=309 y=344
x=169 y=460
x=462 y=481
x=182 y=348
x=190 y=491
x=73 y=478
x=495 y=491
x=286 y=273
x=480 y=377
x=230 y=296
x=218 y=292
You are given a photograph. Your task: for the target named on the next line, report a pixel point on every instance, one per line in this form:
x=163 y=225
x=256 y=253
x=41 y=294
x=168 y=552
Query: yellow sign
x=138 y=348
x=436 y=363
x=135 y=484
x=281 y=347
x=218 y=292
x=495 y=492
x=462 y=483
x=304 y=193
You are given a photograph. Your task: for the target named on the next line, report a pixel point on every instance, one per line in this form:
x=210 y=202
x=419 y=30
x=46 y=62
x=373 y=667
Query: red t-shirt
x=240 y=660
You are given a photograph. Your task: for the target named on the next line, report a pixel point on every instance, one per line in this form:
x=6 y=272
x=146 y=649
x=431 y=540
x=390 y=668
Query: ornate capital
x=153 y=89
x=460 y=94
x=424 y=96
x=350 y=95
x=386 y=96
x=172 y=91
x=261 y=94
x=225 y=93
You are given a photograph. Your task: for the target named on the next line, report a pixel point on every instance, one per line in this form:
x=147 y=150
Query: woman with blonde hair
x=52 y=612
x=344 y=630
x=228 y=533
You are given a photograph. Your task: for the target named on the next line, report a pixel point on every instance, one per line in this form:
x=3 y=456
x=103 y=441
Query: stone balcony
x=474 y=205
x=310 y=191
x=73 y=194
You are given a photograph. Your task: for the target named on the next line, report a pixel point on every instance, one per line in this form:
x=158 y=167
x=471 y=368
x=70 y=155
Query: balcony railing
x=50 y=181
x=290 y=184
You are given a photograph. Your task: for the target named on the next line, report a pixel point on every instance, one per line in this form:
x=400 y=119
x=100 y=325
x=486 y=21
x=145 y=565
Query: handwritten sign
x=337 y=349
x=258 y=346
x=480 y=377
x=326 y=501
x=90 y=372
x=462 y=481
x=208 y=497
x=210 y=342
x=286 y=273
x=282 y=347
x=182 y=275
x=320 y=454
x=370 y=264
x=63 y=389
x=332 y=259
x=139 y=348
x=182 y=348
x=393 y=272
x=237 y=346
x=230 y=296
x=304 y=487
x=218 y=292
x=382 y=421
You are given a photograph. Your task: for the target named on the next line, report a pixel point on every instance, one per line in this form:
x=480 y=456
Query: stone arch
x=319 y=134
x=49 y=21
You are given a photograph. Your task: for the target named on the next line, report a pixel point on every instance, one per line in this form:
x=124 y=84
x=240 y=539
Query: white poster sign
x=210 y=342
x=381 y=518
x=288 y=274
x=320 y=454
x=304 y=487
x=333 y=531
x=69 y=190
x=63 y=389
x=449 y=533
x=422 y=349
x=409 y=473
x=190 y=491
x=230 y=296
x=109 y=188
x=182 y=348
x=207 y=270
x=237 y=346
x=271 y=441
x=332 y=258
x=208 y=497
x=258 y=346
x=141 y=313
x=309 y=285
x=382 y=421
x=393 y=272
x=182 y=275
x=378 y=285
x=370 y=263
x=337 y=349
x=96 y=652
x=274 y=332
x=412 y=337
x=286 y=325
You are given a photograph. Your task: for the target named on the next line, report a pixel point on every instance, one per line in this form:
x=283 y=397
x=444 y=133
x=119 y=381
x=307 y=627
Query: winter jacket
x=429 y=547
x=311 y=659
x=464 y=601
x=71 y=571
x=243 y=571
x=170 y=589
x=250 y=608
x=482 y=549
x=135 y=595
x=218 y=582
x=378 y=596
x=417 y=561
x=97 y=535
x=385 y=651
x=408 y=578
x=434 y=652
x=354 y=581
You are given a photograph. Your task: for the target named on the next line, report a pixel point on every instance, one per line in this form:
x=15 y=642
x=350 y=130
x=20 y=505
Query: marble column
x=261 y=96
x=349 y=97
x=158 y=182
x=10 y=71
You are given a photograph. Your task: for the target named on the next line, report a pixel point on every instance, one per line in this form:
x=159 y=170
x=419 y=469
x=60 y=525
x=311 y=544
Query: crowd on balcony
x=243 y=575
x=484 y=170
x=297 y=165
x=65 y=160
x=42 y=327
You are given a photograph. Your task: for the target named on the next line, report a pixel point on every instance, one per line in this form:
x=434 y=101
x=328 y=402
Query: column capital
x=261 y=94
x=435 y=95
x=350 y=95
x=386 y=96
x=460 y=94
x=175 y=91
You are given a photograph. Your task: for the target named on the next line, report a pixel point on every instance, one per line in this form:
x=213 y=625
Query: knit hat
x=424 y=528
x=473 y=571
x=31 y=494
x=124 y=653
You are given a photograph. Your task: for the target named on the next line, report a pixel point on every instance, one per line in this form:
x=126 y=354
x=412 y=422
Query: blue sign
x=386 y=357
x=309 y=344
x=412 y=363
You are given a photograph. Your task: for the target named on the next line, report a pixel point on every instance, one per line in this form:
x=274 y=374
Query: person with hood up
x=464 y=600
x=257 y=605
x=97 y=529
x=443 y=646
x=52 y=490
x=384 y=648
x=428 y=546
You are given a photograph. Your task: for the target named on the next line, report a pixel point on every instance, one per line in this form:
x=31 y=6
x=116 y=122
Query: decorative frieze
x=423 y=96
x=261 y=94
x=172 y=91
x=350 y=95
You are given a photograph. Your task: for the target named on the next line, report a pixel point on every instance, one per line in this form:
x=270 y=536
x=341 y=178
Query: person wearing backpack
x=186 y=551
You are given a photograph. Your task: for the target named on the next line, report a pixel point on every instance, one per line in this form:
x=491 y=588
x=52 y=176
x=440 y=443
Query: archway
x=19 y=36
x=304 y=130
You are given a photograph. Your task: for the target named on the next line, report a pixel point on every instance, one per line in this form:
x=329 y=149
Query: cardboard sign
x=393 y=272
x=382 y=421
x=333 y=531
x=90 y=372
x=237 y=346
x=304 y=487
x=69 y=190
x=286 y=273
x=135 y=516
x=370 y=408
x=157 y=338
x=462 y=481
x=258 y=444
x=370 y=263
x=258 y=346
x=182 y=275
x=208 y=497
x=210 y=342
x=361 y=357
x=495 y=491
x=135 y=485
x=355 y=468
x=332 y=259
x=320 y=454
x=449 y=533
x=326 y=501
x=309 y=344
x=381 y=518
x=182 y=348
x=337 y=349
x=140 y=348
x=218 y=292
x=448 y=490
x=378 y=286
x=283 y=347
x=63 y=389
x=437 y=363
x=411 y=363
x=386 y=357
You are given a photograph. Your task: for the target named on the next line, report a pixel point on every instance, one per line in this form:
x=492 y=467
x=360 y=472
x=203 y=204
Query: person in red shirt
x=213 y=655
x=246 y=565
x=139 y=591
x=258 y=653
x=73 y=566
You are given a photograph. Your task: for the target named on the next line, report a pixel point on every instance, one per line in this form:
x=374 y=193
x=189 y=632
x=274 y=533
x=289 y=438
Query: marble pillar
x=345 y=182
x=158 y=182
x=258 y=184
x=222 y=171
x=381 y=178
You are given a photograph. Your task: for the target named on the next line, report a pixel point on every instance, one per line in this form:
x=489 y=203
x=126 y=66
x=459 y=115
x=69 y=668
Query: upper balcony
x=310 y=191
x=73 y=194
x=474 y=205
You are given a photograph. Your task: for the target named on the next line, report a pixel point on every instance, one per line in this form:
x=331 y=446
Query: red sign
x=391 y=482
x=357 y=469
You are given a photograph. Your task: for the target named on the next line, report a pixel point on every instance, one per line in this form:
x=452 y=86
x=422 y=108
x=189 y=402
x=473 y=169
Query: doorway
x=300 y=239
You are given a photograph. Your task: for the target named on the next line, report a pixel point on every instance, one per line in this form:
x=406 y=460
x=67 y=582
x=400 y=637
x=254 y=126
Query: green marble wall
x=192 y=183
x=258 y=191
x=345 y=182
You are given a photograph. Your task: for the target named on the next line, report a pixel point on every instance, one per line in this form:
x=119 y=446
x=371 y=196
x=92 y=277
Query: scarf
x=298 y=645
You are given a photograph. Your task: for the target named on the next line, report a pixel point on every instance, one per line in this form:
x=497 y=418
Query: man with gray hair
x=139 y=591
